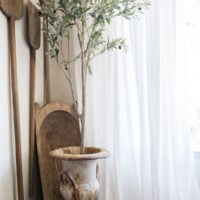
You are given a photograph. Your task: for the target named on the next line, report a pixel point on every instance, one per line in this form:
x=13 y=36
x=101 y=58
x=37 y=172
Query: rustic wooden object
x=13 y=9
x=34 y=27
x=34 y=30
x=47 y=88
x=56 y=126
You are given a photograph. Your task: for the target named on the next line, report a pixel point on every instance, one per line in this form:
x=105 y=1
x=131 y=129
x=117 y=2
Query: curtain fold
x=135 y=109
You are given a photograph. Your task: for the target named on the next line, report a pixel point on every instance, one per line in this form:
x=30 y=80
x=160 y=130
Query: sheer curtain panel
x=135 y=109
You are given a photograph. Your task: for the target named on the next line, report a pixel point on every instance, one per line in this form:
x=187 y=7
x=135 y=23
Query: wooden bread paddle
x=47 y=89
x=34 y=41
x=13 y=9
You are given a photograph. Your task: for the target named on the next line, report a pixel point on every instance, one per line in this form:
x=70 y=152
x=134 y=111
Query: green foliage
x=90 y=18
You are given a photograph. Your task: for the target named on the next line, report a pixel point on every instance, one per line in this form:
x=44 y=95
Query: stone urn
x=78 y=180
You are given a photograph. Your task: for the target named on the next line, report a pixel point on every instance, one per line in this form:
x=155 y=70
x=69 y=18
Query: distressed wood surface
x=32 y=121
x=34 y=24
x=13 y=9
x=16 y=114
x=34 y=30
x=56 y=126
x=47 y=89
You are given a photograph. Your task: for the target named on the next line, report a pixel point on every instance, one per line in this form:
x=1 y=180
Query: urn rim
x=73 y=153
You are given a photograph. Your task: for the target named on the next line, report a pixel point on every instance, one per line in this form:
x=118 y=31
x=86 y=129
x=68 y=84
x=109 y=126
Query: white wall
x=197 y=165
x=60 y=90
x=7 y=147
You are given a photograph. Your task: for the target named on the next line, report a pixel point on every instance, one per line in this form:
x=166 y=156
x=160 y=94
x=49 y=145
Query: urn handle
x=66 y=177
x=67 y=181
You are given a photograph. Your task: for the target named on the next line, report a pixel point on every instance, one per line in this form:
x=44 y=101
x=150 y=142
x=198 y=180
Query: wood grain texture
x=34 y=25
x=32 y=120
x=16 y=114
x=34 y=30
x=12 y=8
x=56 y=126
x=47 y=89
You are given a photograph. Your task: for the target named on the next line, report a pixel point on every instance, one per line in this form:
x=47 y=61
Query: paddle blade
x=12 y=8
x=33 y=25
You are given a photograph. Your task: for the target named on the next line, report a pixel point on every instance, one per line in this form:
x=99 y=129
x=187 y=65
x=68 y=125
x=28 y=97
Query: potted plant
x=88 y=20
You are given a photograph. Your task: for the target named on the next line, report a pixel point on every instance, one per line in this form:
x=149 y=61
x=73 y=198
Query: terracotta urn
x=78 y=180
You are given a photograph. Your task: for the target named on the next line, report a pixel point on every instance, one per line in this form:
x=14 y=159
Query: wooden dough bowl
x=56 y=127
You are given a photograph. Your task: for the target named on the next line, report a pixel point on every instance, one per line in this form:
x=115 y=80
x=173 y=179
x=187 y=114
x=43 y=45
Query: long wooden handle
x=46 y=68
x=16 y=113
x=32 y=120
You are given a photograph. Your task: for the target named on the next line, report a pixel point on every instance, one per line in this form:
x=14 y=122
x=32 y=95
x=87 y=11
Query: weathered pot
x=78 y=180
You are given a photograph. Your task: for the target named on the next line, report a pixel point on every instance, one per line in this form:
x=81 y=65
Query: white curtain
x=136 y=110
